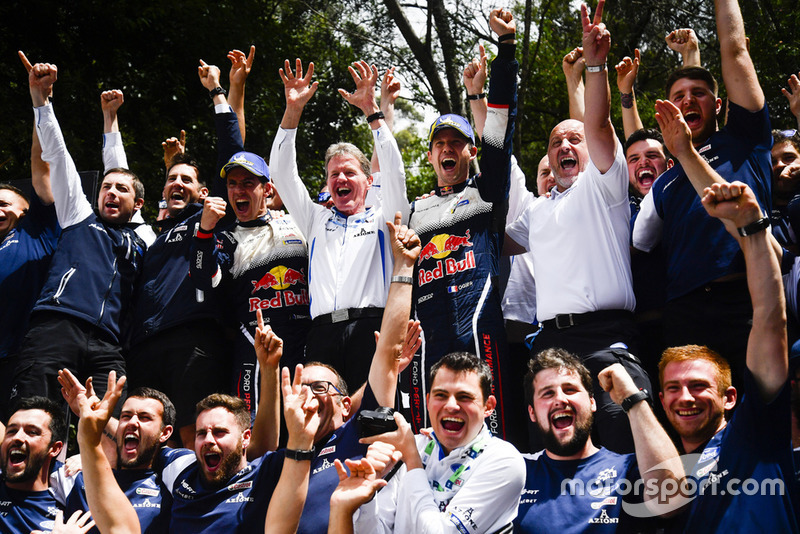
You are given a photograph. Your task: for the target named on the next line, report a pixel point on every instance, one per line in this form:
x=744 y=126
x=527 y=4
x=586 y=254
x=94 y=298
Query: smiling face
x=563 y=410
x=247 y=194
x=140 y=433
x=12 y=208
x=698 y=105
x=334 y=409
x=692 y=400
x=450 y=154
x=646 y=162
x=785 y=172
x=456 y=407
x=544 y=176
x=117 y=198
x=219 y=445
x=182 y=188
x=567 y=152
x=26 y=450
x=347 y=184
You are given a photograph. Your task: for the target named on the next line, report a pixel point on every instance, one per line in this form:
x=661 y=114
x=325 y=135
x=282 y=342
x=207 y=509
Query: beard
x=33 y=467
x=147 y=451
x=580 y=436
x=229 y=466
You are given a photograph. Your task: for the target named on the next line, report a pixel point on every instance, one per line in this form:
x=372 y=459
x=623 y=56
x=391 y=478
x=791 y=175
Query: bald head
x=567 y=152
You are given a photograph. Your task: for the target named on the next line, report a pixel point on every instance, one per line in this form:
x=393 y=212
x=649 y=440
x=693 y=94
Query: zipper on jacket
x=62 y=285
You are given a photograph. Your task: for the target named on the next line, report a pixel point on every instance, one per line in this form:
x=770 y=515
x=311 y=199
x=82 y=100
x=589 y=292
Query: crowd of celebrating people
x=610 y=354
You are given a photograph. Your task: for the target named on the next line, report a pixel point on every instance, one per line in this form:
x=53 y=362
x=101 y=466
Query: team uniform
x=25 y=255
x=699 y=251
x=350 y=260
x=741 y=465
x=456 y=291
x=24 y=511
x=240 y=505
x=575 y=496
x=144 y=490
x=76 y=322
x=474 y=489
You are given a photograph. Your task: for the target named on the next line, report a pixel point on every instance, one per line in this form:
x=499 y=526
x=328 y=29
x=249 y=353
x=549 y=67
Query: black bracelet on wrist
x=754 y=227
x=627 y=100
x=299 y=455
x=506 y=37
x=476 y=97
x=637 y=397
x=217 y=91
x=375 y=116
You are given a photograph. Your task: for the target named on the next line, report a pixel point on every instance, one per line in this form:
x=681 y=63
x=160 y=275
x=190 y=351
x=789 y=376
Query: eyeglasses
x=323 y=387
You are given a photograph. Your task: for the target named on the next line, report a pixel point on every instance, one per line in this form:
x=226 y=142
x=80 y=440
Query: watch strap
x=754 y=227
x=299 y=455
x=637 y=397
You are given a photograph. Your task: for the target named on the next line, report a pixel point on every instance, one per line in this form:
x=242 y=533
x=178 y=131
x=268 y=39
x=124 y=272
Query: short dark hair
x=466 y=362
x=182 y=158
x=341 y=385
x=235 y=405
x=58 y=423
x=781 y=136
x=556 y=358
x=17 y=191
x=168 y=409
x=138 y=186
x=643 y=134
x=693 y=73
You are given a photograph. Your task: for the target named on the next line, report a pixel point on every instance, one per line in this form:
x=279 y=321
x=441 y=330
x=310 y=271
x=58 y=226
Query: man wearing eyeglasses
x=707 y=298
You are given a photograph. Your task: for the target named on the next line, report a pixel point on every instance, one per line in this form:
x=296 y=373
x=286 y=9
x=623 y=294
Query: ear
x=137 y=204
x=268 y=189
x=246 y=439
x=347 y=403
x=661 y=396
x=531 y=413
x=203 y=193
x=166 y=433
x=473 y=152
x=55 y=449
x=593 y=404
x=369 y=179
x=729 y=398
x=488 y=408
x=670 y=163
x=430 y=159
x=719 y=105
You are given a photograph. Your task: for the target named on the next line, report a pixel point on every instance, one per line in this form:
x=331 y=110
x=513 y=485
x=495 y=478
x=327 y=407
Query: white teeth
x=453 y=419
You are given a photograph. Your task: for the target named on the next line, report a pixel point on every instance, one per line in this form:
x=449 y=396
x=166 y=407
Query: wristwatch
x=639 y=396
x=299 y=455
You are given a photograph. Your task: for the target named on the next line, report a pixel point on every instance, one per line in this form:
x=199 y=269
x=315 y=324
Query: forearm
x=266 y=427
x=236 y=101
x=576 y=93
x=289 y=497
x=630 y=114
x=114 y=156
x=600 y=136
x=479 y=111
x=40 y=172
x=340 y=520
x=285 y=176
x=738 y=71
x=691 y=58
x=393 y=175
x=653 y=448
x=110 y=121
x=699 y=172
x=111 y=509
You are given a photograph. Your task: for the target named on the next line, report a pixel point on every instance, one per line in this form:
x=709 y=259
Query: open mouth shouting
x=452 y=425
x=130 y=443
x=562 y=419
x=17 y=455
x=568 y=164
x=212 y=460
x=645 y=177
x=448 y=164
x=241 y=207
x=693 y=119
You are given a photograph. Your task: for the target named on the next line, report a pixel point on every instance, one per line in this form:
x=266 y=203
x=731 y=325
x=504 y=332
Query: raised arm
x=736 y=205
x=573 y=65
x=793 y=96
x=475 y=74
x=266 y=427
x=656 y=455
x=173 y=146
x=684 y=41
x=738 y=72
x=113 y=150
x=72 y=390
x=366 y=77
x=240 y=70
x=390 y=91
x=627 y=69
x=111 y=509
x=302 y=420
x=298 y=90
x=678 y=140
x=384 y=369
x=40 y=171
x=600 y=137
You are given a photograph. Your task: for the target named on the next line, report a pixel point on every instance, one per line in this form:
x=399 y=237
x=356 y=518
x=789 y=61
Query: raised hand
x=366 y=77
x=298 y=88
x=110 y=101
x=390 y=88
x=502 y=22
x=79 y=523
x=406 y=244
x=95 y=413
x=734 y=203
x=627 y=69
x=269 y=347
x=241 y=65
x=573 y=65
x=676 y=133
x=213 y=211
x=173 y=146
x=209 y=75
x=596 y=37
x=71 y=388
x=793 y=95
x=684 y=41
x=300 y=410
x=615 y=380
x=475 y=73
x=41 y=78
x=357 y=488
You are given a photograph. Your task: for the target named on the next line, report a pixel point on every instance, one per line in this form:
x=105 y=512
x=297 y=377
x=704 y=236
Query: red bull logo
x=441 y=245
x=279 y=278
x=446 y=267
x=281 y=299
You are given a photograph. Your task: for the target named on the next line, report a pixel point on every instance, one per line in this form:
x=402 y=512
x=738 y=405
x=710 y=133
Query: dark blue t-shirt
x=697 y=246
x=594 y=504
x=24 y=511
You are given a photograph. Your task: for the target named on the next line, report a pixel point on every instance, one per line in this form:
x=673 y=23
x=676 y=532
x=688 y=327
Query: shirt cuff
x=222 y=108
x=112 y=139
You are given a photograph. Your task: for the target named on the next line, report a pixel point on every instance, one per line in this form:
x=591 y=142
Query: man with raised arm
x=349 y=269
x=34 y=437
x=259 y=261
x=77 y=320
x=580 y=234
x=561 y=404
x=743 y=475
x=456 y=287
x=707 y=298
